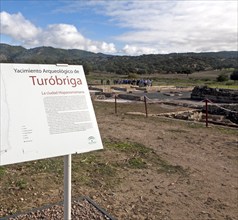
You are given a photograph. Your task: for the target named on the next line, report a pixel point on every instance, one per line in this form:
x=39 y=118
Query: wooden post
x=146 y=112
x=115 y=104
x=206 y=108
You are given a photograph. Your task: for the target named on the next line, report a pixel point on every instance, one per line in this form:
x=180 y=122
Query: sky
x=122 y=27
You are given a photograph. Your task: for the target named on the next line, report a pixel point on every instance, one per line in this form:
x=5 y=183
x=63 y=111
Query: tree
x=222 y=78
x=234 y=75
x=87 y=68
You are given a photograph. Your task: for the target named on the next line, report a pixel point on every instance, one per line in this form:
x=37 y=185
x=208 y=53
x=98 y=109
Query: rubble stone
x=214 y=94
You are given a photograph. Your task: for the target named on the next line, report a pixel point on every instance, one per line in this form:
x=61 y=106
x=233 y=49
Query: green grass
x=141 y=157
x=137 y=163
x=98 y=169
x=177 y=131
x=128 y=147
x=2 y=171
x=196 y=125
x=227 y=130
x=224 y=86
x=53 y=166
x=92 y=170
x=21 y=183
x=190 y=82
x=165 y=167
x=181 y=80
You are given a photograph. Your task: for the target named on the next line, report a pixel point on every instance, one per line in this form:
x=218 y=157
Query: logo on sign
x=91 y=140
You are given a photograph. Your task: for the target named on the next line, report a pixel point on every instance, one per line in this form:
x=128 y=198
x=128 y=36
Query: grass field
x=208 y=78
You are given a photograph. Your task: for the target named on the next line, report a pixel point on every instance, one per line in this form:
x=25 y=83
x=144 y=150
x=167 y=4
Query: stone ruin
x=222 y=109
x=214 y=94
x=229 y=111
x=222 y=106
x=223 y=101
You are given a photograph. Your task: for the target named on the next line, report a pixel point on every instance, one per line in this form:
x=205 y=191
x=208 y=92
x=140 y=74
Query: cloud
x=138 y=50
x=172 y=26
x=142 y=27
x=56 y=35
x=17 y=27
x=67 y=36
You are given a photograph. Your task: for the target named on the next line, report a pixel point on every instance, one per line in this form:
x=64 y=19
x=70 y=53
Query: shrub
x=222 y=78
x=234 y=75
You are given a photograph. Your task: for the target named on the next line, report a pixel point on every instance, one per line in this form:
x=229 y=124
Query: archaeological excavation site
x=199 y=103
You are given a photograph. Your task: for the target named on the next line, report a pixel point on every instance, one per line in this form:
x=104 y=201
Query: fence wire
x=221 y=107
x=155 y=107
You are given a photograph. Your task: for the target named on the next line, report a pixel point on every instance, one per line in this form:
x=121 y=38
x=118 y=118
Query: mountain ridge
x=151 y=63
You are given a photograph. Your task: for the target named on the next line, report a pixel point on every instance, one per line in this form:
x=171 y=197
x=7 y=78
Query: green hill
x=154 y=63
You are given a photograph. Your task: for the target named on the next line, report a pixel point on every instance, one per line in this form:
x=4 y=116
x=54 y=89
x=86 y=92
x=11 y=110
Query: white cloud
x=62 y=34
x=173 y=26
x=138 y=50
x=17 y=27
x=56 y=35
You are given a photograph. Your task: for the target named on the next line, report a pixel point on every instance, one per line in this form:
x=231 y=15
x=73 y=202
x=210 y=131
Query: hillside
x=159 y=63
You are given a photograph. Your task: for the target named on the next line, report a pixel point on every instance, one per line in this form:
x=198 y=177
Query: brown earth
x=178 y=170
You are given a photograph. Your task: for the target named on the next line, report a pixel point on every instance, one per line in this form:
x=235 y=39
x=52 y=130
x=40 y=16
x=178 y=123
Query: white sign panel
x=46 y=111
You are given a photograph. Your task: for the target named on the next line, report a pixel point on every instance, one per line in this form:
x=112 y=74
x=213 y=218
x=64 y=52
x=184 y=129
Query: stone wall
x=129 y=97
x=229 y=111
x=215 y=95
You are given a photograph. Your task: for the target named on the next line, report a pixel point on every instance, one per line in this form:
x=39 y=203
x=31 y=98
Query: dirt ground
x=208 y=190
x=189 y=172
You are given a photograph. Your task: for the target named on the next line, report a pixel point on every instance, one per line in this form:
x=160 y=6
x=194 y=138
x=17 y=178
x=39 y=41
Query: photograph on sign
x=46 y=111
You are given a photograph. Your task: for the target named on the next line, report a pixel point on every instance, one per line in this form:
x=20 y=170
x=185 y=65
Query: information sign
x=46 y=111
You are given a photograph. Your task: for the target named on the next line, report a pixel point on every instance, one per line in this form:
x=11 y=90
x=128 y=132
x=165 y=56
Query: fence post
x=146 y=112
x=206 y=109
x=115 y=104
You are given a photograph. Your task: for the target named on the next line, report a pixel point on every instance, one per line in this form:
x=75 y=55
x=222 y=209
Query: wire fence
x=147 y=107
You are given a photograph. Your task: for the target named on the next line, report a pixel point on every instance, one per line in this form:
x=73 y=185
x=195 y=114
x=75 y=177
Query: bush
x=234 y=75
x=222 y=78
x=132 y=76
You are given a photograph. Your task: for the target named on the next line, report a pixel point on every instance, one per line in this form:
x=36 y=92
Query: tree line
x=180 y=63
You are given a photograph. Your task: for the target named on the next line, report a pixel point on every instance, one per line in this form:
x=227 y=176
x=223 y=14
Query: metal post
x=67 y=187
x=115 y=104
x=146 y=112
x=206 y=101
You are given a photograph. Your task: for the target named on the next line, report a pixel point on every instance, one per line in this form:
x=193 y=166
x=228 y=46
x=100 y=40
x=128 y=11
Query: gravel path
x=81 y=209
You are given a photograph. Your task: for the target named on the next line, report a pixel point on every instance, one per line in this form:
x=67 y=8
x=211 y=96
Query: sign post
x=67 y=187
x=46 y=111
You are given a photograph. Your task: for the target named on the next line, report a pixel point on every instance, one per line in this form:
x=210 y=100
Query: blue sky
x=124 y=27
